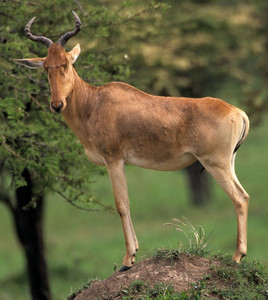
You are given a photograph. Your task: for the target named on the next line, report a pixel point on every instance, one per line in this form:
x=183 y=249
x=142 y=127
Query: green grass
x=243 y=281
x=140 y=290
x=84 y=245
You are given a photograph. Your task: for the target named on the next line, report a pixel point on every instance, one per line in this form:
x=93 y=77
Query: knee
x=240 y=202
x=241 y=198
x=246 y=197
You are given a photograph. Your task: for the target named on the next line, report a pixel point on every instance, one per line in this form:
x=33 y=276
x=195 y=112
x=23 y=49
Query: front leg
x=118 y=179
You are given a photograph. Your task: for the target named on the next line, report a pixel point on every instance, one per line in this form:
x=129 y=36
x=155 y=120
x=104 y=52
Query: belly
x=153 y=162
x=174 y=163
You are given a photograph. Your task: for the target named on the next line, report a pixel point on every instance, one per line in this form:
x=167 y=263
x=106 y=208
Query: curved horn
x=64 y=39
x=42 y=39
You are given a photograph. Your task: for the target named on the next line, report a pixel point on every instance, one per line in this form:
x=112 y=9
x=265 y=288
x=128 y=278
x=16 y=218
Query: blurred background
x=57 y=219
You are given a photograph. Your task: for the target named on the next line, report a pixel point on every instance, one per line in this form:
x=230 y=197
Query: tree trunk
x=199 y=184
x=28 y=223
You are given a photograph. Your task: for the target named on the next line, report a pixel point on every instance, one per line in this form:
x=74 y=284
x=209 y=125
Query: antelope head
x=58 y=64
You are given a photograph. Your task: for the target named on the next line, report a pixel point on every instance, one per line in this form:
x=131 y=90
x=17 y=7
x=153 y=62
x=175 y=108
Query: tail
x=244 y=132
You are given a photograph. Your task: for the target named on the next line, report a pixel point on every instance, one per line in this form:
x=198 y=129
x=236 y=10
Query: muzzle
x=57 y=106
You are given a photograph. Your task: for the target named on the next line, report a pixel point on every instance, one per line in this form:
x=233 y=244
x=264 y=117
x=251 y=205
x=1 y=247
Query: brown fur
x=118 y=124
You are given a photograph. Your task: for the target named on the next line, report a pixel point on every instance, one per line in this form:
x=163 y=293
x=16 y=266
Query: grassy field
x=84 y=245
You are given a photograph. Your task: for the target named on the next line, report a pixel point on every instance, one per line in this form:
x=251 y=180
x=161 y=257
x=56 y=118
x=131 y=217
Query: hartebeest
x=118 y=124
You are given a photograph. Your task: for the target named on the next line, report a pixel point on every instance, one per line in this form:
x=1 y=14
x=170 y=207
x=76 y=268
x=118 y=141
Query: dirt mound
x=180 y=274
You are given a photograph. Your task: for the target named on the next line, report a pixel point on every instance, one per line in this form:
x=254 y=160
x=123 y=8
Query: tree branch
x=72 y=201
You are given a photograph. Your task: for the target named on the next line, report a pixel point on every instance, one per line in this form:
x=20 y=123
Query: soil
x=180 y=274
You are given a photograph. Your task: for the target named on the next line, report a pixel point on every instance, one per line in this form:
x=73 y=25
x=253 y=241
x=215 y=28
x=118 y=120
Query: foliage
x=200 y=48
x=31 y=137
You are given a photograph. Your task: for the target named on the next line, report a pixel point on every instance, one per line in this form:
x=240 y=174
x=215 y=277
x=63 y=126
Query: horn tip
x=76 y=17
x=33 y=19
x=29 y=24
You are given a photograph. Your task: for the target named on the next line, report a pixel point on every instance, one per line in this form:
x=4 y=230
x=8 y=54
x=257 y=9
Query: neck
x=79 y=103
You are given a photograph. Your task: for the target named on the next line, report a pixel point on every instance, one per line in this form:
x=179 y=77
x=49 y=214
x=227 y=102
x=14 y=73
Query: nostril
x=57 y=108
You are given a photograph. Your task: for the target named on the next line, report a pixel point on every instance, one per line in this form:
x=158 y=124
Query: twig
x=36 y=102
x=40 y=83
x=126 y=20
x=81 y=8
x=72 y=201
x=8 y=149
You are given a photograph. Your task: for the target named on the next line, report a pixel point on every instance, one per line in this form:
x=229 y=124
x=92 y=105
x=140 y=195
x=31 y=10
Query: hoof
x=124 y=268
x=239 y=258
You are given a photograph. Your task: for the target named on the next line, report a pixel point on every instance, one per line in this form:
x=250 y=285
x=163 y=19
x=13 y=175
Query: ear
x=32 y=63
x=73 y=54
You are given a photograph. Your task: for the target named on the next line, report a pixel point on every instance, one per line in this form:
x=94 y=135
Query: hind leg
x=224 y=173
x=242 y=216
